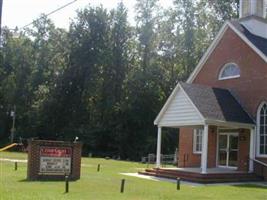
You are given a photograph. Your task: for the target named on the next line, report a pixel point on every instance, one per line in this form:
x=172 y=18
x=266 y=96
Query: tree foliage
x=105 y=80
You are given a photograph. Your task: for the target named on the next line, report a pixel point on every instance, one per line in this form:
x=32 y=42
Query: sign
x=55 y=160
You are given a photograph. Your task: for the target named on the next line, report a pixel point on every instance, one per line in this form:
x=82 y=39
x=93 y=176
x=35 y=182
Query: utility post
x=13 y=115
x=1 y=6
x=1 y=38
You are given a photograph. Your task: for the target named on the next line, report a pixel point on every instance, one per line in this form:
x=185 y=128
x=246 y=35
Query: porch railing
x=169 y=159
x=260 y=168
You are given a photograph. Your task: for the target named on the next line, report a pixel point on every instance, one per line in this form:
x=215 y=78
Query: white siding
x=180 y=111
x=245 y=4
x=252 y=7
x=260 y=8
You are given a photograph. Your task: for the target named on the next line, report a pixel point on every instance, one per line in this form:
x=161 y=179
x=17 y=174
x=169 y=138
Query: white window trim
x=194 y=141
x=258 y=131
x=228 y=77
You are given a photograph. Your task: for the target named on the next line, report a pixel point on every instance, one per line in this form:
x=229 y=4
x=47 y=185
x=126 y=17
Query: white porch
x=213 y=175
x=204 y=154
x=192 y=105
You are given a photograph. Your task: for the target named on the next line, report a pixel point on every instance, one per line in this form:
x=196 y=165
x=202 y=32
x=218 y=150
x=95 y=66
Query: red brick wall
x=76 y=160
x=186 y=156
x=251 y=86
x=188 y=159
x=212 y=147
x=243 y=146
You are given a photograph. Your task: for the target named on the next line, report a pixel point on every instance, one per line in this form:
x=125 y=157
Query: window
x=230 y=70
x=197 y=140
x=262 y=129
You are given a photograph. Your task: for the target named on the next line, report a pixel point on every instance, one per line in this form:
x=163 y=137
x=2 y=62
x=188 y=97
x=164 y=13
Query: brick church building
x=221 y=111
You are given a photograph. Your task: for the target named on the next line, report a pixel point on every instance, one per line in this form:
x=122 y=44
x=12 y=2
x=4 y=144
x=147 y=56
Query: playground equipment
x=9 y=146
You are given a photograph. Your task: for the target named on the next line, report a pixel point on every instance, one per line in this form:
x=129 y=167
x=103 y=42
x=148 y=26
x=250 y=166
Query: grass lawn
x=105 y=185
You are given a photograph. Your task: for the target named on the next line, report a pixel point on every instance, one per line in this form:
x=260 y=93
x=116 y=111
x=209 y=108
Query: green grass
x=105 y=185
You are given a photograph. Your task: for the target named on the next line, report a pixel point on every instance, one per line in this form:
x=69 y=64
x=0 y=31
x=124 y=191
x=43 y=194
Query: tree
x=16 y=69
x=104 y=80
x=146 y=24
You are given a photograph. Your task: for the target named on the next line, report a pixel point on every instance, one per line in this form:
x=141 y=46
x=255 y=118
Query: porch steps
x=202 y=178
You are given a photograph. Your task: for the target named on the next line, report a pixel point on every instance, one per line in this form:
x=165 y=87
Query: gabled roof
x=256 y=43
x=216 y=103
x=259 y=42
x=212 y=104
x=249 y=17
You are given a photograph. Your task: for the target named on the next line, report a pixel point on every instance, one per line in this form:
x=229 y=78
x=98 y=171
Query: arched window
x=262 y=128
x=230 y=70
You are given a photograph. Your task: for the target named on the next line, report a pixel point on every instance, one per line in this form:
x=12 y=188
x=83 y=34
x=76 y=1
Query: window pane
x=230 y=70
x=262 y=140
x=233 y=158
x=263 y=129
x=261 y=119
x=261 y=149
x=233 y=142
x=223 y=141
x=222 y=157
x=262 y=111
x=200 y=147
x=197 y=140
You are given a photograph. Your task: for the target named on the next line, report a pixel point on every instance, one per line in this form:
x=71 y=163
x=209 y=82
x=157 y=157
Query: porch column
x=252 y=149
x=204 y=154
x=158 y=148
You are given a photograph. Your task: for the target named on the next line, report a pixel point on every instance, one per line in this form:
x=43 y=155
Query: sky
x=18 y=13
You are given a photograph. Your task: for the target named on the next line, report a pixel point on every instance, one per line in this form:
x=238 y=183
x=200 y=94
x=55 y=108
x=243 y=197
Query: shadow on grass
x=253 y=185
x=44 y=180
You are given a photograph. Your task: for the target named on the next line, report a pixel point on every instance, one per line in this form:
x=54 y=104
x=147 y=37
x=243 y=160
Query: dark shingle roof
x=216 y=104
x=259 y=42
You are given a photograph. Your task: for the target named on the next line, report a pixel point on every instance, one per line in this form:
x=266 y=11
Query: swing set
x=9 y=146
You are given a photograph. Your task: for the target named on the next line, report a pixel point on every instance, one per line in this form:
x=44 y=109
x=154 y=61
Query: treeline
x=104 y=80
